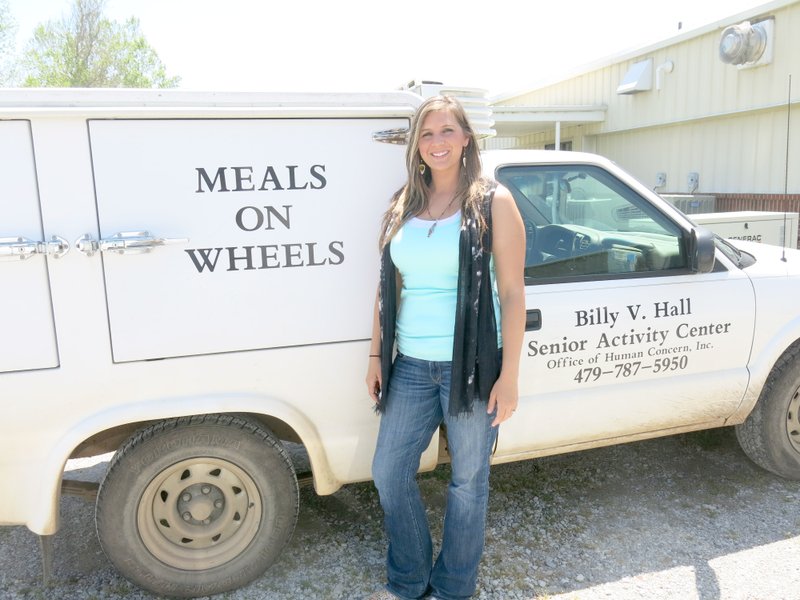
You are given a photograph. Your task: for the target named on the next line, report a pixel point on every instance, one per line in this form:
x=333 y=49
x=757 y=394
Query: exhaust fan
x=747 y=44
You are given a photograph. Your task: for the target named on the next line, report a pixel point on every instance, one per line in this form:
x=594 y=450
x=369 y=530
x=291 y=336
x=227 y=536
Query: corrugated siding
x=700 y=84
x=726 y=123
x=734 y=154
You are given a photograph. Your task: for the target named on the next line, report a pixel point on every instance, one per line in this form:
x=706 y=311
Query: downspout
x=665 y=67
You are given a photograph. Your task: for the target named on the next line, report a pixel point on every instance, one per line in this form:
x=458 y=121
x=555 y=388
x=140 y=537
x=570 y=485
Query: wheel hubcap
x=793 y=420
x=201 y=504
x=199 y=513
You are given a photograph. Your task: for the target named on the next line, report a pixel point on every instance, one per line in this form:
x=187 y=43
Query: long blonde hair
x=412 y=198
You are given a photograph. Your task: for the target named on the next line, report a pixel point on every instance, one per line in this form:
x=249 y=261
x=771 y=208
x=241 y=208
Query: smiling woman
x=442 y=142
x=458 y=327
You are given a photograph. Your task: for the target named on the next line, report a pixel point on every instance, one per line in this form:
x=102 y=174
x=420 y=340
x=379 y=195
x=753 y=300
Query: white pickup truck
x=187 y=279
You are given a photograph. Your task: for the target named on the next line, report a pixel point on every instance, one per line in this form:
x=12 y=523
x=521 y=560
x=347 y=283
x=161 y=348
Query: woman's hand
x=503 y=397
x=374 y=365
x=374 y=378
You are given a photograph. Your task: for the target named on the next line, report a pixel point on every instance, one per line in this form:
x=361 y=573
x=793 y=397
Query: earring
x=464 y=158
x=422 y=167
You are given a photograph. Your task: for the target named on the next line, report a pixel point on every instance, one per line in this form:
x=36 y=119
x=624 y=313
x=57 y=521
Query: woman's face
x=442 y=141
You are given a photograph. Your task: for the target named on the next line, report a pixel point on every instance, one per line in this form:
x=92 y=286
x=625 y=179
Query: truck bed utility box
x=776 y=228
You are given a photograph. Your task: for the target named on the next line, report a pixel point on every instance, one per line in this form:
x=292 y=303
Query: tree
x=8 y=33
x=86 y=49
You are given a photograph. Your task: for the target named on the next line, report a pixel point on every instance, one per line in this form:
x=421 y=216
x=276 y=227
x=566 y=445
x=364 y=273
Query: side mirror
x=701 y=250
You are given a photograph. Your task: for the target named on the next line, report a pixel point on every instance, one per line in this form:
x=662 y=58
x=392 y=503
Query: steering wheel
x=557 y=241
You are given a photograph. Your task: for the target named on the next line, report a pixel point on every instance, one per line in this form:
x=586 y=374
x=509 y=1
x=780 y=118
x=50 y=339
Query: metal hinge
x=125 y=242
x=20 y=248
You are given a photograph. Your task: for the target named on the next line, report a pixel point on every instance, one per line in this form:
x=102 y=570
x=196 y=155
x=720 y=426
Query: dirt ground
x=684 y=517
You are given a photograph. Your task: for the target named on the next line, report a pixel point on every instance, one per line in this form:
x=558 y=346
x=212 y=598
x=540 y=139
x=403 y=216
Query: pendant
x=430 y=231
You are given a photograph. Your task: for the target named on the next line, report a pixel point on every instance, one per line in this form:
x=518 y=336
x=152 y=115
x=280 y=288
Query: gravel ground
x=685 y=517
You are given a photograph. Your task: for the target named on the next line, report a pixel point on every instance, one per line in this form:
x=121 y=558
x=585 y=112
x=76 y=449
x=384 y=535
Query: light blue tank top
x=429 y=267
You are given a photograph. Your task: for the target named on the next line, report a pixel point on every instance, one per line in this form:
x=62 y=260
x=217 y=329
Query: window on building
x=563 y=146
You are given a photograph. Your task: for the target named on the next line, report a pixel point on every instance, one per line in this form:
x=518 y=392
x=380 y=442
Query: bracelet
x=374 y=355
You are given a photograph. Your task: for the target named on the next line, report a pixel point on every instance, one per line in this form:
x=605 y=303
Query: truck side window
x=582 y=221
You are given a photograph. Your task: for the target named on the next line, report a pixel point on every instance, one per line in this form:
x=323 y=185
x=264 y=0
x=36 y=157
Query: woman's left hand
x=504 y=398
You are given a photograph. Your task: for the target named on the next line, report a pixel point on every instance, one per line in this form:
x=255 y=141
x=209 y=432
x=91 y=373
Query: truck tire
x=196 y=506
x=771 y=434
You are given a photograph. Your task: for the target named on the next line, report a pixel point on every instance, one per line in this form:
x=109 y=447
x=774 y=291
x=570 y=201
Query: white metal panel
x=282 y=258
x=776 y=228
x=631 y=355
x=26 y=318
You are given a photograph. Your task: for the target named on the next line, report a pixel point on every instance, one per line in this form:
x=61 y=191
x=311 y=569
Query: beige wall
x=742 y=153
x=727 y=124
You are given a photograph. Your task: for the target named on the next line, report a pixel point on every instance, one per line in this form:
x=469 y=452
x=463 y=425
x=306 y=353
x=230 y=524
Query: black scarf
x=476 y=361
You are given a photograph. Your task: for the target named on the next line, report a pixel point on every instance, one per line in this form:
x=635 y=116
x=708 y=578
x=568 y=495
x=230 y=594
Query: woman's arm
x=508 y=248
x=374 y=362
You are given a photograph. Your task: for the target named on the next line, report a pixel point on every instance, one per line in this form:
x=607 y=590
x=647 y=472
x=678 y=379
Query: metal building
x=707 y=112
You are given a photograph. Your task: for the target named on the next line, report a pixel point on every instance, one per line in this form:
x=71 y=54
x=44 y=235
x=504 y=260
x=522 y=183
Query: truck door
x=221 y=235
x=623 y=338
x=26 y=315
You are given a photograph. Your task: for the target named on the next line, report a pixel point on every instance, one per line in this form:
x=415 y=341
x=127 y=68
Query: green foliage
x=87 y=49
x=8 y=31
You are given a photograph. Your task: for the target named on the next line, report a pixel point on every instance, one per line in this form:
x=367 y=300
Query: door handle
x=20 y=248
x=533 y=319
x=391 y=136
x=125 y=242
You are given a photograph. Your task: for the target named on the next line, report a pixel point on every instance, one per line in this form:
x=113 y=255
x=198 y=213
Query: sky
x=360 y=45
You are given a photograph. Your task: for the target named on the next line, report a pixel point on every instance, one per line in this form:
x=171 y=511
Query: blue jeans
x=419 y=393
